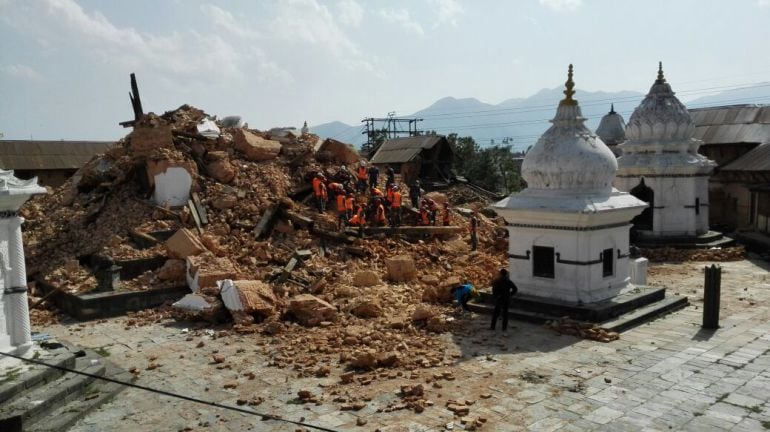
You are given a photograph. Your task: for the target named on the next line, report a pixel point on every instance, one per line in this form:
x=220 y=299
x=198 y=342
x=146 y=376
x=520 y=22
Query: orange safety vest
x=323 y=191
x=389 y=194
x=424 y=216
x=396 y=201
x=341 y=203
x=376 y=192
x=349 y=203
x=362 y=173
x=317 y=186
x=380 y=217
x=358 y=218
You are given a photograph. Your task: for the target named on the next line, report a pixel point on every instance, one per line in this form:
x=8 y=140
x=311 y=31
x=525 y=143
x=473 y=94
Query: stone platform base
x=620 y=313
x=113 y=303
x=703 y=241
x=39 y=398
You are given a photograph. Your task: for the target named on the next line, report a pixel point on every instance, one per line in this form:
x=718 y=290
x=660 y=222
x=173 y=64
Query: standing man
x=391 y=175
x=361 y=176
x=502 y=290
x=414 y=194
x=395 y=207
x=474 y=227
x=342 y=214
x=447 y=219
x=374 y=176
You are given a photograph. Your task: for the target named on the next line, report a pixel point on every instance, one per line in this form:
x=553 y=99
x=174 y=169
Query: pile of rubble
x=668 y=254
x=581 y=329
x=251 y=249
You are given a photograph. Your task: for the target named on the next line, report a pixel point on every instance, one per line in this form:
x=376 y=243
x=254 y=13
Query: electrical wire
x=174 y=395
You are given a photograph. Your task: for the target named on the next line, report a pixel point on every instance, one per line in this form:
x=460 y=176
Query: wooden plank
x=143 y=239
x=195 y=217
x=299 y=220
x=332 y=235
x=202 y=214
x=266 y=223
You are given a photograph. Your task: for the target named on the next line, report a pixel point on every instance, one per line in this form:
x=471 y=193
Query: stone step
x=34 y=404
x=514 y=313
x=35 y=375
x=77 y=405
x=646 y=313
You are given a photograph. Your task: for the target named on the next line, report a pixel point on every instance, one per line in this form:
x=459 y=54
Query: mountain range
x=521 y=121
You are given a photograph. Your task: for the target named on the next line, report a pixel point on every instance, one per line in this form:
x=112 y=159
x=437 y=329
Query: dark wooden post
x=711 y=292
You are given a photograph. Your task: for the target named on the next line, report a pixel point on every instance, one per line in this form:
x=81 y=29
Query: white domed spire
x=612 y=128
x=568 y=156
x=660 y=116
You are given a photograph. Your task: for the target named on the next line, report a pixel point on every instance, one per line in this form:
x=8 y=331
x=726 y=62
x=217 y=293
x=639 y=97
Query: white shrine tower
x=660 y=165
x=569 y=230
x=15 y=336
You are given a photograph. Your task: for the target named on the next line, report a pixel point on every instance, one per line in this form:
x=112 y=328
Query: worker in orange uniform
x=380 y=218
x=323 y=198
x=447 y=219
x=358 y=219
x=424 y=214
x=375 y=192
x=362 y=175
x=395 y=207
x=335 y=189
x=342 y=214
x=349 y=202
x=318 y=180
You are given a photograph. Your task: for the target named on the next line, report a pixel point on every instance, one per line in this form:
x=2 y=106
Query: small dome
x=568 y=156
x=660 y=116
x=612 y=128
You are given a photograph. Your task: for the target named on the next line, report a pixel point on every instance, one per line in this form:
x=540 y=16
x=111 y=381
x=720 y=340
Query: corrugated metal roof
x=732 y=124
x=400 y=150
x=757 y=159
x=31 y=155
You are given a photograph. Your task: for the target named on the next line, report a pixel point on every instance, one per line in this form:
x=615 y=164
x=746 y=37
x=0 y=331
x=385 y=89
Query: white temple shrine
x=660 y=165
x=612 y=130
x=569 y=229
x=15 y=335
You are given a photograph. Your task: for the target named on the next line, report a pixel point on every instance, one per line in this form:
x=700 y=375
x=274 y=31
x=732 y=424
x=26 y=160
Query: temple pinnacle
x=612 y=108
x=661 y=79
x=570 y=85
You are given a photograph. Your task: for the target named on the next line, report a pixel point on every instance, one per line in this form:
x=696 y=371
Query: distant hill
x=523 y=120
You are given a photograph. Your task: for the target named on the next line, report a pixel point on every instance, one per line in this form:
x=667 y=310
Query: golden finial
x=570 y=86
x=661 y=79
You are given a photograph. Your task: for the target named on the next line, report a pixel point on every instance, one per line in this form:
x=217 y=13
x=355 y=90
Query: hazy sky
x=65 y=64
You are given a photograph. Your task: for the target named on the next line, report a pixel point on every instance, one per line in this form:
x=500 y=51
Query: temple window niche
x=608 y=263
x=543 y=262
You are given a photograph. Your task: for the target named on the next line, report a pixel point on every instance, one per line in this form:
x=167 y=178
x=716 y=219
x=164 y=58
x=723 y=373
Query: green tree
x=492 y=168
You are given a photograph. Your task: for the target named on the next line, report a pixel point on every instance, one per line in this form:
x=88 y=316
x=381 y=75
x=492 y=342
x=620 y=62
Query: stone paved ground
x=665 y=375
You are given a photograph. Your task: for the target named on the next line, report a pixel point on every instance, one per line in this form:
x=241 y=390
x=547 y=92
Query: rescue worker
x=414 y=193
x=463 y=294
x=343 y=175
x=395 y=207
x=362 y=176
x=358 y=219
x=474 y=227
x=502 y=290
x=323 y=198
x=380 y=217
x=342 y=214
x=318 y=180
x=447 y=219
x=432 y=209
x=389 y=193
x=424 y=217
x=375 y=192
x=391 y=175
x=374 y=176
x=349 y=202
x=335 y=189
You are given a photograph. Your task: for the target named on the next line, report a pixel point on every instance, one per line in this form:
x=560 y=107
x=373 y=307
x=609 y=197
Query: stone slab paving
x=665 y=375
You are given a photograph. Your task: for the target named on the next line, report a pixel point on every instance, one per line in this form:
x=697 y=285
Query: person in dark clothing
x=502 y=290
x=391 y=175
x=414 y=194
x=374 y=176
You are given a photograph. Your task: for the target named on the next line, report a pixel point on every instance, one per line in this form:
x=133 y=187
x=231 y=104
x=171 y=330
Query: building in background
x=52 y=162
x=425 y=157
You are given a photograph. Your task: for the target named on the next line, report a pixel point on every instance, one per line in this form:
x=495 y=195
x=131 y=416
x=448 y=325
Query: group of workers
x=346 y=191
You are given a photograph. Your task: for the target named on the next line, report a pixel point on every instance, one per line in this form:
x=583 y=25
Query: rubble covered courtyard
x=665 y=375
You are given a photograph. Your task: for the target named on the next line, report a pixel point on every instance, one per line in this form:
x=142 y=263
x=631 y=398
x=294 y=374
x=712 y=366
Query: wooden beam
x=265 y=225
x=299 y=220
x=202 y=214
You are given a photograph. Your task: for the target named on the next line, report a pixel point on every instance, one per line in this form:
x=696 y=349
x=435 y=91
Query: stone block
x=367 y=308
x=254 y=147
x=219 y=167
x=203 y=271
x=311 y=310
x=366 y=278
x=250 y=297
x=401 y=268
x=340 y=152
x=172 y=270
x=183 y=244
